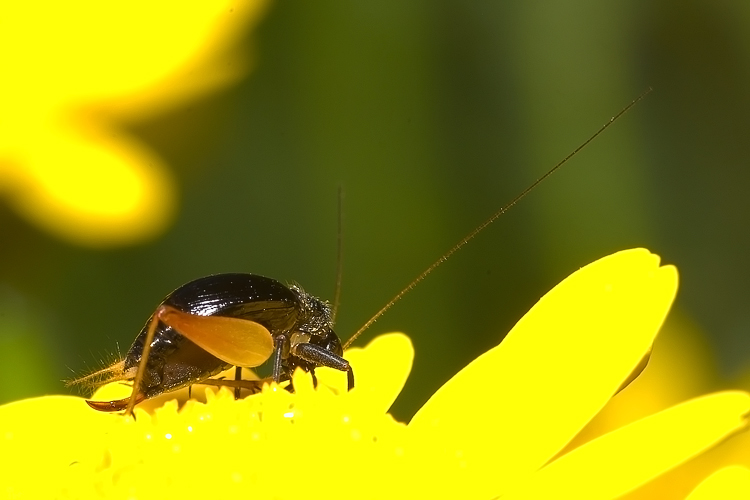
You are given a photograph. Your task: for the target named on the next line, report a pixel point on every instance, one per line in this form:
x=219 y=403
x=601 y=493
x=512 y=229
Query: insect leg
x=279 y=341
x=237 y=377
x=136 y=394
x=320 y=356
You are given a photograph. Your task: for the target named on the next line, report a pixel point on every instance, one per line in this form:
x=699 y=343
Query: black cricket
x=188 y=330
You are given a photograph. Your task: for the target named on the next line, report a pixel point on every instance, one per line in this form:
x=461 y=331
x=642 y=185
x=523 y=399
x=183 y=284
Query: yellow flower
x=74 y=73
x=496 y=430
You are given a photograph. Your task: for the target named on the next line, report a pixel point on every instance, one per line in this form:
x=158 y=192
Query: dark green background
x=431 y=115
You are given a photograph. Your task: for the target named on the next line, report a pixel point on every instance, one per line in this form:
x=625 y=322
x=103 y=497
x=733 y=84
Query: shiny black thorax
x=175 y=361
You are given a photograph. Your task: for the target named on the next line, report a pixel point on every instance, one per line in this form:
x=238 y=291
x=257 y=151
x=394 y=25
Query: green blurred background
x=430 y=115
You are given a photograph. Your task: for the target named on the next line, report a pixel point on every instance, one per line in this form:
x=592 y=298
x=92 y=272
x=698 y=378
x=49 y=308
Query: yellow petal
x=512 y=409
x=622 y=460
x=43 y=437
x=680 y=368
x=729 y=483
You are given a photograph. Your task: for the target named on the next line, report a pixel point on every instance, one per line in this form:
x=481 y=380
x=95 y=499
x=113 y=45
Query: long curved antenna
x=491 y=219
x=339 y=257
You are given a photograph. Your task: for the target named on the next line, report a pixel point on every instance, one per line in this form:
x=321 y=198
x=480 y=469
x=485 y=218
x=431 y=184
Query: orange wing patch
x=239 y=342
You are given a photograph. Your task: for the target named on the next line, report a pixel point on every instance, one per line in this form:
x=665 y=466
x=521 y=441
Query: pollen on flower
x=273 y=425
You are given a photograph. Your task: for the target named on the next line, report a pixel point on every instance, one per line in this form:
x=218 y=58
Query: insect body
x=224 y=320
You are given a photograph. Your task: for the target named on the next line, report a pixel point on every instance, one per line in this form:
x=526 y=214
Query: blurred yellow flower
x=73 y=74
x=497 y=429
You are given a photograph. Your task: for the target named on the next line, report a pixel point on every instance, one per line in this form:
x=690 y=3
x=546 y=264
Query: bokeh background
x=430 y=116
